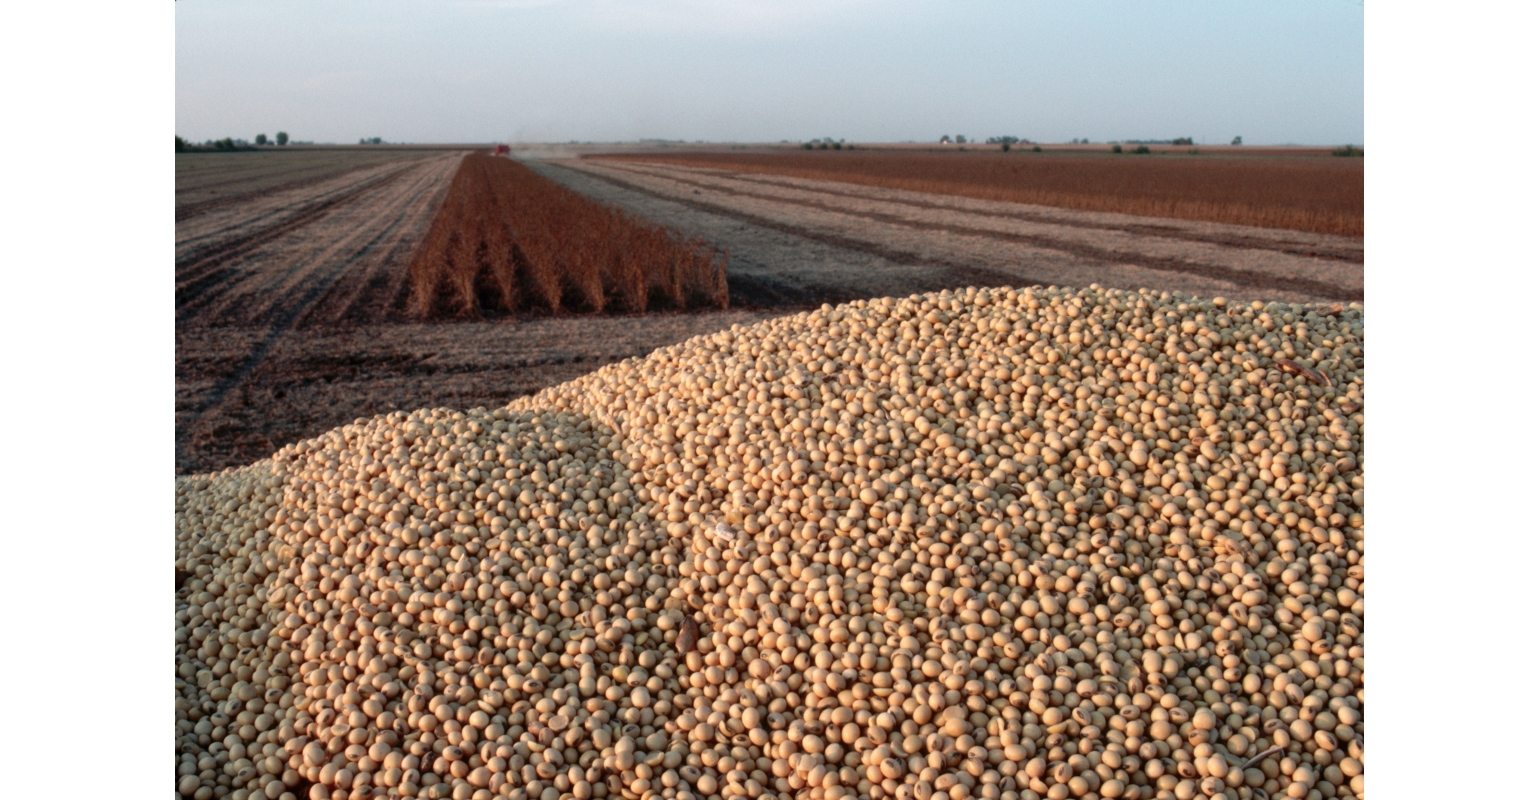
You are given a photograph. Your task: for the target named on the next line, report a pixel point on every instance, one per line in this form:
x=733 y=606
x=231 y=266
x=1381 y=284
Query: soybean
x=1058 y=542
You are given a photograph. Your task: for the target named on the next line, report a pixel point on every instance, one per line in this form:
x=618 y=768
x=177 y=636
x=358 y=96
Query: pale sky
x=767 y=70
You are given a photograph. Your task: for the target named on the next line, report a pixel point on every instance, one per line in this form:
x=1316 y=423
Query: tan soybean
x=1002 y=544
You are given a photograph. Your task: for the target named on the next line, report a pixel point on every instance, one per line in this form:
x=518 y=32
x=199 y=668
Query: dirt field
x=209 y=181
x=320 y=252
x=795 y=240
x=1320 y=195
x=292 y=277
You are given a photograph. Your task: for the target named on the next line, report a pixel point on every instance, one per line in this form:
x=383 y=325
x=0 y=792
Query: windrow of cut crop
x=509 y=241
x=1320 y=195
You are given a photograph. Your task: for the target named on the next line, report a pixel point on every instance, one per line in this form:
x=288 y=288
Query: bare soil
x=1320 y=195
x=825 y=241
x=208 y=181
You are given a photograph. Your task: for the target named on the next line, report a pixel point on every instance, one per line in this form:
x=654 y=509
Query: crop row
x=507 y=240
x=1320 y=195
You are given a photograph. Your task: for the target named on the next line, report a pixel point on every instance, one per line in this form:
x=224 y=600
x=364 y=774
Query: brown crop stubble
x=1321 y=195
x=510 y=241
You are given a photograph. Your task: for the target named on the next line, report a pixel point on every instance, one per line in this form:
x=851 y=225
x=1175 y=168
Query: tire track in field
x=213 y=174
x=218 y=227
x=338 y=246
x=190 y=210
x=202 y=270
x=1255 y=279
x=342 y=261
x=382 y=282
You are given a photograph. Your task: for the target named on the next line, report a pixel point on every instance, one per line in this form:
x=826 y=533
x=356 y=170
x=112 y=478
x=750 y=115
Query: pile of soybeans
x=998 y=544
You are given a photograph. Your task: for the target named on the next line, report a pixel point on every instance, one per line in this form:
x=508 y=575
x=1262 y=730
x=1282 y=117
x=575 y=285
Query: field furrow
x=273 y=263
x=1264 y=269
x=189 y=210
x=1298 y=243
x=965 y=239
x=207 y=181
x=205 y=275
x=1322 y=195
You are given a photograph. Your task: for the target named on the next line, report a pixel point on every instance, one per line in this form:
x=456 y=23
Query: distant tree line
x=1180 y=140
x=1005 y=142
x=228 y=144
x=827 y=143
x=224 y=145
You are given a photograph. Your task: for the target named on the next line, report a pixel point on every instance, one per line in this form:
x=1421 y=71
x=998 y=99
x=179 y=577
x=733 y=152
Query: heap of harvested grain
x=1002 y=544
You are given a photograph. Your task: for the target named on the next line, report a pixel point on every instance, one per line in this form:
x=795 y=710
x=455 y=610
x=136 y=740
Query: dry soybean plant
x=998 y=544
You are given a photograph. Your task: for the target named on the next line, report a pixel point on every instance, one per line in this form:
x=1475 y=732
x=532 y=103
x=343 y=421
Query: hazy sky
x=767 y=70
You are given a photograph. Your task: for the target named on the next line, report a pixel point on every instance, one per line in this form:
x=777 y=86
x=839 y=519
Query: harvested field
x=291 y=306
x=209 y=181
x=314 y=254
x=1320 y=195
x=313 y=379
x=508 y=240
x=802 y=241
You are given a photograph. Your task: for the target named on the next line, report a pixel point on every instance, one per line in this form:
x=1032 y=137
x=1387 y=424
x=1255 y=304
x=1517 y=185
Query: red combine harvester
x=502 y=150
